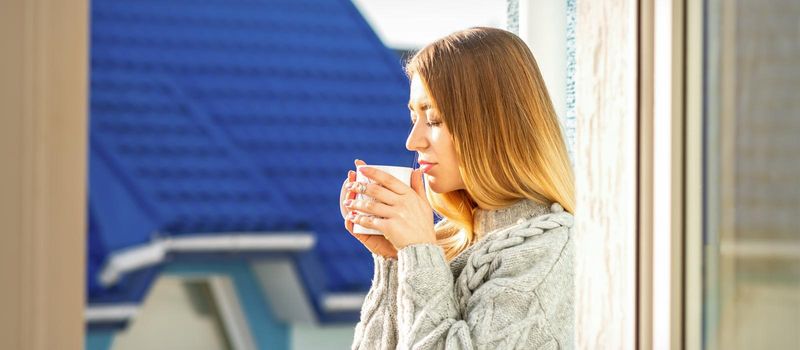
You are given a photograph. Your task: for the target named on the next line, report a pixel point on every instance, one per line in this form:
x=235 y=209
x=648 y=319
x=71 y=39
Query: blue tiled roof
x=132 y=287
x=213 y=116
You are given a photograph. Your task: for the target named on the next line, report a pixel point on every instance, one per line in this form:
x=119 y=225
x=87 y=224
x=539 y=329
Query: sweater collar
x=488 y=220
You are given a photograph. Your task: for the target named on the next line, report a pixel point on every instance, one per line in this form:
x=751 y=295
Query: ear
x=417 y=182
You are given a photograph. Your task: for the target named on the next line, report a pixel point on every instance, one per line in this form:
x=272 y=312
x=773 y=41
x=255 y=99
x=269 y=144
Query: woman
x=496 y=271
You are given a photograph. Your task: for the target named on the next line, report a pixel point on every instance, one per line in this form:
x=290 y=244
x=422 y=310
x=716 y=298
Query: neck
x=488 y=220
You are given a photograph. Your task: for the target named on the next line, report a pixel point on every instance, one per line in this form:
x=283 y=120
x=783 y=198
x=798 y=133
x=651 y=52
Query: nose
x=416 y=140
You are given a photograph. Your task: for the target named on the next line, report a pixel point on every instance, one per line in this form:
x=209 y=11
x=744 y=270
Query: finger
x=351 y=177
x=378 y=193
x=374 y=223
x=372 y=242
x=363 y=237
x=377 y=244
x=371 y=207
x=357 y=162
x=348 y=225
x=343 y=196
x=344 y=189
x=417 y=183
x=386 y=180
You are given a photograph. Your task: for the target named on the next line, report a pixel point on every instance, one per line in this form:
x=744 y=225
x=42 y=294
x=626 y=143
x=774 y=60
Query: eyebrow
x=423 y=106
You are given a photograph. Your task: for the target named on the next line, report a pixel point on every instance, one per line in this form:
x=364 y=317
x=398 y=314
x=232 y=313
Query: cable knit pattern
x=380 y=308
x=513 y=289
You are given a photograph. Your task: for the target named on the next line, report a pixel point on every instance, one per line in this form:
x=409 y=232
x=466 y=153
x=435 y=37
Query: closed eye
x=430 y=124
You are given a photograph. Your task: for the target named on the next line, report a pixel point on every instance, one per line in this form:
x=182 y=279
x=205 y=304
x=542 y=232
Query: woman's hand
x=407 y=215
x=375 y=243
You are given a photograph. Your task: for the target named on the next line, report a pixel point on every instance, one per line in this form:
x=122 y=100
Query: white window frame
x=637 y=174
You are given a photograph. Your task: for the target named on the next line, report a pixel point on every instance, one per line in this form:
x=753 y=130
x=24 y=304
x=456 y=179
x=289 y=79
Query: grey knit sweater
x=512 y=289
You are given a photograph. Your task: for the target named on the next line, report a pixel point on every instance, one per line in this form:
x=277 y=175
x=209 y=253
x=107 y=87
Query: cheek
x=445 y=149
x=443 y=146
x=454 y=177
x=448 y=178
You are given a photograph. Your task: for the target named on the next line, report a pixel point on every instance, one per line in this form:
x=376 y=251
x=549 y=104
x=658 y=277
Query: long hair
x=487 y=87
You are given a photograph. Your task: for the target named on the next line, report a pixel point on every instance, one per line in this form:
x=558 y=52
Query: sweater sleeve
x=502 y=312
x=377 y=328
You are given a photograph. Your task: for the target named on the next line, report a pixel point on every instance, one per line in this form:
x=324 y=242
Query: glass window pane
x=751 y=176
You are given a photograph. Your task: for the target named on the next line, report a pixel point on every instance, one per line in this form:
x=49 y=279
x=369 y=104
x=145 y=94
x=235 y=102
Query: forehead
x=418 y=96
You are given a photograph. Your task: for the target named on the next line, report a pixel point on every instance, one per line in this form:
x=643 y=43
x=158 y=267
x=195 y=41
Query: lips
x=426 y=166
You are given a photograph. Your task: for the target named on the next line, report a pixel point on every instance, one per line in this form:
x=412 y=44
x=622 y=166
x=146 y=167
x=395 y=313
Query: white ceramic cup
x=401 y=173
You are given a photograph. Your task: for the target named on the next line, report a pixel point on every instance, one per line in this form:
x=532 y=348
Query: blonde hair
x=487 y=87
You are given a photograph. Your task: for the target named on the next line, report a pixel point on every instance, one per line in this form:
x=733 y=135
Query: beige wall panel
x=43 y=113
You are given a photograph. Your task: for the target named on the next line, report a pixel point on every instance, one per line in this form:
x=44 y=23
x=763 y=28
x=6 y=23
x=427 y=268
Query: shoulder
x=524 y=254
x=546 y=231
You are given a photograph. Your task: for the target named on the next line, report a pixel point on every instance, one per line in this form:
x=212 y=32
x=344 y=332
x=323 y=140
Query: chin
x=435 y=186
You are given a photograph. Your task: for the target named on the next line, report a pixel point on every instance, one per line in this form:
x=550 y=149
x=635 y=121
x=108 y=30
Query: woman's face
x=430 y=138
